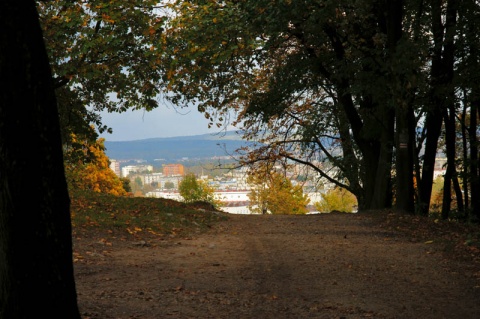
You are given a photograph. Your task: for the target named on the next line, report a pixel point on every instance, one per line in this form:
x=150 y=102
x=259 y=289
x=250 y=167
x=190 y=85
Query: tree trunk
x=474 y=167
x=433 y=123
x=447 y=192
x=404 y=135
x=450 y=177
x=448 y=100
x=36 y=268
x=381 y=188
x=465 y=169
x=376 y=150
x=441 y=81
x=474 y=100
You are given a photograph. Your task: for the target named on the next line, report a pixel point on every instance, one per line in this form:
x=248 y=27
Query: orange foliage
x=94 y=174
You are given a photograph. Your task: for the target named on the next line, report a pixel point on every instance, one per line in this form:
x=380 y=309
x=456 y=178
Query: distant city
x=159 y=173
x=231 y=188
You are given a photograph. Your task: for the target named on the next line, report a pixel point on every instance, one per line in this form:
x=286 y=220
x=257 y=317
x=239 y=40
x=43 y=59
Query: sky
x=161 y=122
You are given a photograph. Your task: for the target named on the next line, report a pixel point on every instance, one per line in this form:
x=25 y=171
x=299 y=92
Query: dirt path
x=314 y=266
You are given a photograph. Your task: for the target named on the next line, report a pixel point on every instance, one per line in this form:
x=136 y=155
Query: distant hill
x=173 y=148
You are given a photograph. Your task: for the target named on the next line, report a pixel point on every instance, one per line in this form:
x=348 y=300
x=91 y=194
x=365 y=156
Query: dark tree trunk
x=36 y=268
x=433 y=123
x=448 y=104
x=447 y=193
x=440 y=92
x=474 y=167
x=450 y=177
x=376 y=152
x=372 y=131
x=380 y=189
x=403 y=113
x=458 y=194
x=466 y=179
x=474 y=177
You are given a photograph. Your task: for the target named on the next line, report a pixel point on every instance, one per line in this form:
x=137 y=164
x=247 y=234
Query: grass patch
x=139 y=215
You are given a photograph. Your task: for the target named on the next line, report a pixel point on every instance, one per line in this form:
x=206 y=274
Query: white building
x=115 y=167
x=236 y=208
x=154 y=177
x=233 y=202
x=232 y=196
x=126 y=170
x=175 y=195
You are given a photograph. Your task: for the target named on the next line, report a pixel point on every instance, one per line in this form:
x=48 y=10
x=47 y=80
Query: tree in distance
x=126 y=184
x=169 y=185
x=337 y=199
x=272 y=193
x=194 y=190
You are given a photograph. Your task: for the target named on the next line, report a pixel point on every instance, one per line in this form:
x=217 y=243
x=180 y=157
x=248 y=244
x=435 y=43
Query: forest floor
x=365 y=265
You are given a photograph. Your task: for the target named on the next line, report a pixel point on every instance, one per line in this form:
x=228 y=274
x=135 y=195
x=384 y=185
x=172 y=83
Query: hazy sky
x=161 y=122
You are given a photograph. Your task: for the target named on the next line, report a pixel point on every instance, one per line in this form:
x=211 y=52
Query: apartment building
x=126 y=170
x=115 y=167
x=173 y=169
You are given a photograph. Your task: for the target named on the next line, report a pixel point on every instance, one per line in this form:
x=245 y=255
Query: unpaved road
x=314 y=266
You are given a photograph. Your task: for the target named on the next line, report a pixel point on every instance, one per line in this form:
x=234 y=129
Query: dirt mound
x=311 y=266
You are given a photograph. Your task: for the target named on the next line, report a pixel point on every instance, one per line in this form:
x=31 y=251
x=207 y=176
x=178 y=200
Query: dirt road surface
x=313 y=266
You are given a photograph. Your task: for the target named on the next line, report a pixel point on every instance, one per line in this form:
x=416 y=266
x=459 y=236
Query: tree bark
x=448 y=106
x=450 y=178
x=465 y=169
x=36 y=268
x=380 y=189
x=441 y=80
x=403 y=111
x=474 y=176
x=474 y=155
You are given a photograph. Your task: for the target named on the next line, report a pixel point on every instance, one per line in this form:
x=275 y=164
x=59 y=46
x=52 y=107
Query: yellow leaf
x=429 y=242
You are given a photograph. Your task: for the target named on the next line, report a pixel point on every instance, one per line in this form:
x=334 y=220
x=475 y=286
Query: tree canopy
x=366 y=87
x=103 y=51
x=369 y=88
x=103 y=57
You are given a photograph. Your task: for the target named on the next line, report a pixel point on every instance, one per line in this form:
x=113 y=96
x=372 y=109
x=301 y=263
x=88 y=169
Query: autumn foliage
x=194 y=190
x=91 y=171
x=337 y=199
x=273 y=193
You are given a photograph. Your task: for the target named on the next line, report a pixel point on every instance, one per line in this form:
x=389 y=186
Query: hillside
x=173 y=148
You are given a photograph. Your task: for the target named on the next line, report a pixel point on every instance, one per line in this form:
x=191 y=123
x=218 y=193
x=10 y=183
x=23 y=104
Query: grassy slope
x=139 y=216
